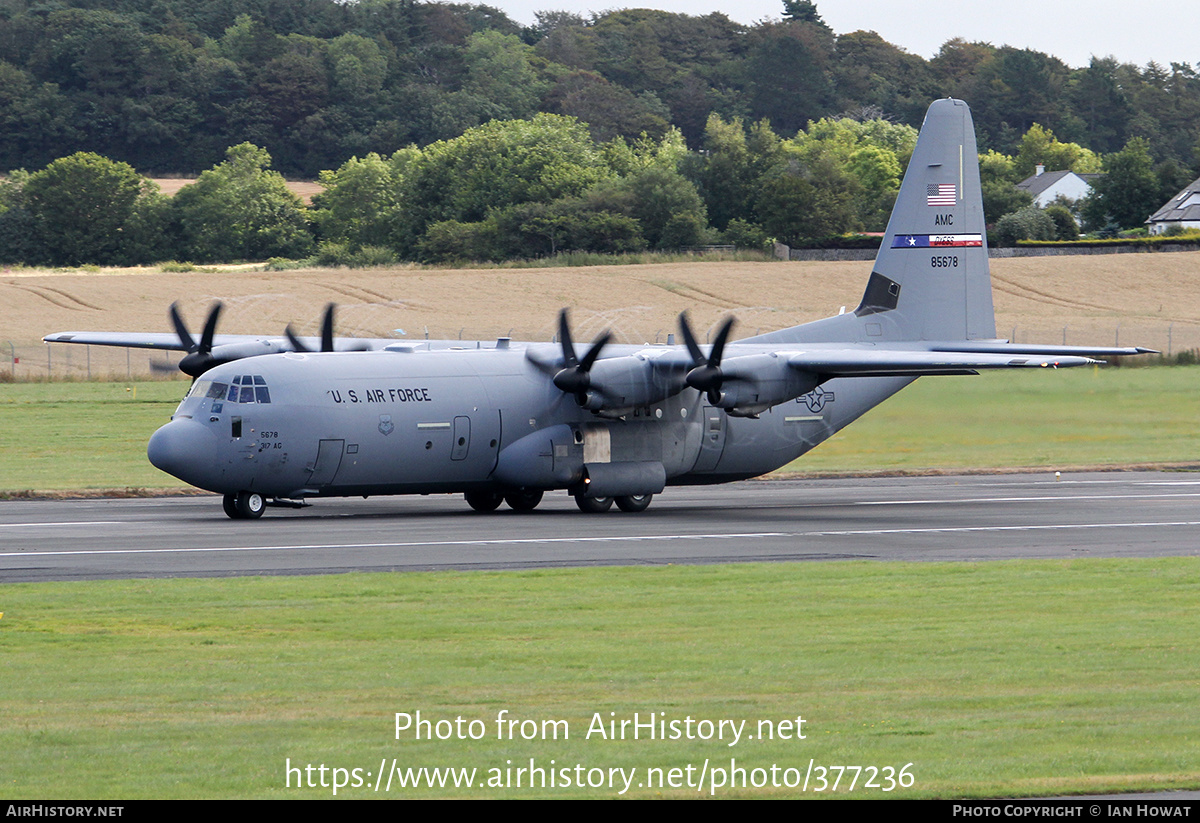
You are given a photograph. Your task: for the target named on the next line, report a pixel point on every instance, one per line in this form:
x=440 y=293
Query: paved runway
x=1120 y=514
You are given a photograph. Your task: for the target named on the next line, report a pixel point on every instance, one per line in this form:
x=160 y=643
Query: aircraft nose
x=183 y=448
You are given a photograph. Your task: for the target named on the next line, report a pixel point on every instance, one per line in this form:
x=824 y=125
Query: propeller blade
x=574 y=377
x=181 y=329
x=718 y=347
x=294 y=340
x=210 y=328
x=327 y=329
x=689 y=340
x=564 y=339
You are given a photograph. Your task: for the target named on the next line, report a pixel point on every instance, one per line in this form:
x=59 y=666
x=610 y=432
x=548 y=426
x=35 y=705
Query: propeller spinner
x=706 y=373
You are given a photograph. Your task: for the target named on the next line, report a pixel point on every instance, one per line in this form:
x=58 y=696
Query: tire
x=523 y=500
x=634 y=502
x=229 y=503
x=250 y=505
x=484 y=501
x=593 y=505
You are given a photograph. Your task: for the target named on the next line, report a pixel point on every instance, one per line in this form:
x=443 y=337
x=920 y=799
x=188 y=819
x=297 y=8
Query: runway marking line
x=622 y=539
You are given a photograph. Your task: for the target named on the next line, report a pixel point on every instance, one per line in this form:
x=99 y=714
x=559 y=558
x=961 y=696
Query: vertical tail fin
x=931 y=279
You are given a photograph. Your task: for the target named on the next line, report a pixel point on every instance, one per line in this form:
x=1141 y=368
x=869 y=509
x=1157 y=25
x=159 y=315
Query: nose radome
x=184 y=449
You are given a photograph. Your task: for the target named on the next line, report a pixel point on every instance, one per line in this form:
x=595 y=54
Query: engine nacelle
x=642 y=379
x=756 y=382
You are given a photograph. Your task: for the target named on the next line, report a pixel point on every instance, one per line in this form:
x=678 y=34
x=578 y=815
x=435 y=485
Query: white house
x=1182 y=210
x=1048 y=186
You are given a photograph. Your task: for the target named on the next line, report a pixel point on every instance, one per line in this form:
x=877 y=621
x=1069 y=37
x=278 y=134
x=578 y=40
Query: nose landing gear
x=244 y=505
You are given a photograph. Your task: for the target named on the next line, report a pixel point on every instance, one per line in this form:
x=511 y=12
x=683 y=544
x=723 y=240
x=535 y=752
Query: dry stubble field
x=1149 y=299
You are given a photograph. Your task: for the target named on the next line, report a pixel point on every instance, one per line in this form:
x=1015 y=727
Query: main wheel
x=593 y=505
x=484 y=501
x=250 y=505
x=229 y=503
x=523 y=500
x=634 y=502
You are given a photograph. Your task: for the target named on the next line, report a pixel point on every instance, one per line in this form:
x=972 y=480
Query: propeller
x=573 y=375
x=326 y=335
x=706 y=374
x=199 y=357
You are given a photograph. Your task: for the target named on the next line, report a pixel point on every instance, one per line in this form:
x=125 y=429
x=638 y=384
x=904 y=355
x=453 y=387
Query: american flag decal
x=941 y=194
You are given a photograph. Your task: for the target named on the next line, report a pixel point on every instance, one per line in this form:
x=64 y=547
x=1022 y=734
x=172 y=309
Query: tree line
x=538 y=187
x=570 y=135
x=167 y=86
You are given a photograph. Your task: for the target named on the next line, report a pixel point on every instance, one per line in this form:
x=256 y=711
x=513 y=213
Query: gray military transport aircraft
x=271 y=420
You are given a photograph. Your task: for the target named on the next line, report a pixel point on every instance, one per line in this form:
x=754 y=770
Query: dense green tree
x=80 y=207
x=18 y=243
x=788 y=74
x=1039 y=145
x=497 y=165
x=998 y=178
x=608 y=109
x=34 y=117
x=1029 y=223
x=361 y=199
x=241 y=210
x=1065 y=227
x=807 y=201
x=1128 y=193
x=1096 y=97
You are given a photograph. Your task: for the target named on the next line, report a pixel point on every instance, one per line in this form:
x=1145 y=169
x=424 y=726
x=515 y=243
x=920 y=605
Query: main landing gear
x=526 y=500
x=626 y=503
x=520 y=500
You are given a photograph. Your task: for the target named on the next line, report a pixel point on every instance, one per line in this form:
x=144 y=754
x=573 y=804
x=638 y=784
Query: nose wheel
x=244 y=505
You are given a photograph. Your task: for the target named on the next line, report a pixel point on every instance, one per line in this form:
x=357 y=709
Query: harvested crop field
x=1135 y=299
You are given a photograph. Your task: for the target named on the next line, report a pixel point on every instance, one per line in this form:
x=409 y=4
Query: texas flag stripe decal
x=941 y=194
x=936 y=241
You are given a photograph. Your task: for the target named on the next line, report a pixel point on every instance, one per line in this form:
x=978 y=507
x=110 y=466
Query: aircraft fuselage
x=300 y=425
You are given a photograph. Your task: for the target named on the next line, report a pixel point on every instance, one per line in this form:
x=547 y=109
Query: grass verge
x=89 y=436
x=1022 y=678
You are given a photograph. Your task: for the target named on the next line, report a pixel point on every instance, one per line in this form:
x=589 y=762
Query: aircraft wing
x=1000 y=347
x=877 y=363
x=148 y=340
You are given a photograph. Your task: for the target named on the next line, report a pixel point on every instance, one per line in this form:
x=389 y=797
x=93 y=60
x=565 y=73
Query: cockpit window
x=246 y=388
x=216 y=391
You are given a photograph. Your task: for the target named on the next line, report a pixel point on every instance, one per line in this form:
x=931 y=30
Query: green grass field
x=59 y=436
x=990 y=679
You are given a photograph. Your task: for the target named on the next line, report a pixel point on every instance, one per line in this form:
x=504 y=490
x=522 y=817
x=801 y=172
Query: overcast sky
x=1068 y=29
